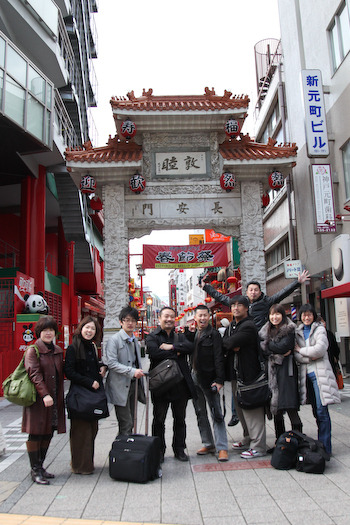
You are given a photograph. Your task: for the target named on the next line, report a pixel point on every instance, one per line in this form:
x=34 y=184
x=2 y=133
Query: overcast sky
x=177 y=48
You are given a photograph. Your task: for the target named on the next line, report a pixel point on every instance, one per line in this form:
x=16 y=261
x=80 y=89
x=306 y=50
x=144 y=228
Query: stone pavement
x=200 y=492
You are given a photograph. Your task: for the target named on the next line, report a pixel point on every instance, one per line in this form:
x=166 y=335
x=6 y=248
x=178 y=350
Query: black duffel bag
x=83 y=403
x=253 y=394
x=164 y=376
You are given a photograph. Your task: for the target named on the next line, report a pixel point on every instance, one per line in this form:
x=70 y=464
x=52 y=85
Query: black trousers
x=178 y=406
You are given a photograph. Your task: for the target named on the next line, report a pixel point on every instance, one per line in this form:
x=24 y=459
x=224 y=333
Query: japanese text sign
x=181 y=163
x=292 y=269
x=323 y=198
x=315 y=113
x=191 y=256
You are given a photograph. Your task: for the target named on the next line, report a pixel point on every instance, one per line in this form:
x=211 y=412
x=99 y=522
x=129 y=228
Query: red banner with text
x=191 y=256
x=212 y=236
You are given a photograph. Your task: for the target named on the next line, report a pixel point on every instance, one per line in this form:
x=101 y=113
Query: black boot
x=298 y=427
x=44 y=446
x=279 y=427
x=33 y=448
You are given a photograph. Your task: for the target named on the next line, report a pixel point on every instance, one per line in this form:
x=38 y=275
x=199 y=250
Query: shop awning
x=343 y=290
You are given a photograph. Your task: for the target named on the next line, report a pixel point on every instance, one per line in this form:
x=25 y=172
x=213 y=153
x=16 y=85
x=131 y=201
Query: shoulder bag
x=18 y=388
x=253 y=394
x=83 y=403
x=256 y=393
x=165 y=375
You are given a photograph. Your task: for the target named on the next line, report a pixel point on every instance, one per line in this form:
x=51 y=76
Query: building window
x=346 y=167
x=26 y=96
x=339 y=33
x=275 y=258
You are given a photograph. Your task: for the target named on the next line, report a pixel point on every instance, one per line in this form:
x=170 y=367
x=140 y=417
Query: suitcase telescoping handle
x=136 y=404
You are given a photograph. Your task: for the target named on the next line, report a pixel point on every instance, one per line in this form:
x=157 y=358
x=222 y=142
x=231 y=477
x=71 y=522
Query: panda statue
x=35 y=304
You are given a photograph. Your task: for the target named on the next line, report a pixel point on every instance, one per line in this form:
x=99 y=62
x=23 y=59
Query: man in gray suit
x=123 y=358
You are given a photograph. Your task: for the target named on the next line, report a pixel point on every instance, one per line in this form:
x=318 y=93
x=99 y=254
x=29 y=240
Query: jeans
x=205 y=395
x=321 y=414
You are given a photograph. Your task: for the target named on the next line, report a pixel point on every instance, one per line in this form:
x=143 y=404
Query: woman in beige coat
x=316 y=376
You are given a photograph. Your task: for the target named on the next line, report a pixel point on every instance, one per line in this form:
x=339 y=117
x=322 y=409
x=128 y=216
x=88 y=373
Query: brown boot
x=44 y=446
x=223 y=455
x=33 y=448
x=37 y=476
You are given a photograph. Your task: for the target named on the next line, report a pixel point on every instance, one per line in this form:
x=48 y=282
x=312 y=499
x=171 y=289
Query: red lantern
x=215 y=283
x=228 y=181
x=265 y=199
x=207 y=299
x=232 y=280
x=128 y=129
x=137 y=183
x=87 y=184
x=276 y=180
x=232 y=127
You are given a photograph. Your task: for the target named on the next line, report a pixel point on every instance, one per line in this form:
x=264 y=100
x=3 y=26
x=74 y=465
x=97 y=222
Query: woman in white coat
x=316 y=374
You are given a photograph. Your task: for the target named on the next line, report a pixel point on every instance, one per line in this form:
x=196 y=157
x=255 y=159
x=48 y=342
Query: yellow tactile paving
x=22 y=519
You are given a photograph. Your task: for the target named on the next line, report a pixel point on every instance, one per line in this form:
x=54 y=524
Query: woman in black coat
x=277 y=344
x=83 y=368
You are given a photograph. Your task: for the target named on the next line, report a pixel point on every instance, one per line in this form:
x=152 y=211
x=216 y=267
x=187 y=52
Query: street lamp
x=149 y=302
x=141 y=273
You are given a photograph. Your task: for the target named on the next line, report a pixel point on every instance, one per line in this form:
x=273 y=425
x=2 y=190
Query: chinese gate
x=181 y=150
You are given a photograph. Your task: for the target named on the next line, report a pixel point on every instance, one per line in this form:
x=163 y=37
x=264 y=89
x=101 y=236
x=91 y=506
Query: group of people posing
x=259 y=335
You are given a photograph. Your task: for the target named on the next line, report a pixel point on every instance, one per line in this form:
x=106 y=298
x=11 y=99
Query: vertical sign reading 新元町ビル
x=323 y=198
x=315 y=113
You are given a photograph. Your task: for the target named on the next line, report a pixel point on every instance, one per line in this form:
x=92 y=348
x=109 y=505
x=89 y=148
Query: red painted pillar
x=63 y=261
x=37 y=229
x=72 y=303
x=25 y=246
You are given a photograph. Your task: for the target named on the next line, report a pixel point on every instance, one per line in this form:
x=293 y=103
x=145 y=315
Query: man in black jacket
x=208 y=376
x=259 y=303
x=242 y=338
x=162 y=344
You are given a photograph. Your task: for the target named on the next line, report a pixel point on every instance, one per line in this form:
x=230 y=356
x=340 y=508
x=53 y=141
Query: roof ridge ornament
x=148 y=93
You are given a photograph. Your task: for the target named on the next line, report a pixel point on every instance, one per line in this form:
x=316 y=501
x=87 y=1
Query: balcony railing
x=9 y=255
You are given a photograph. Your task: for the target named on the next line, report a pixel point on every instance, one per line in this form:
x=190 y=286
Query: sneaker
x=251 y=453
x=238 y=445
x=233 y=421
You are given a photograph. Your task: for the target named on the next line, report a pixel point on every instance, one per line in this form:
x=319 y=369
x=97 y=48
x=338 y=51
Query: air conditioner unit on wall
x=340 y=257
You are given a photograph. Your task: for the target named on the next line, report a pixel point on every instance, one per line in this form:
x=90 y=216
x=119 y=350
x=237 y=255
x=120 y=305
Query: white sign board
x=292 y=269
x=342 y=312
x=315 y=113
x=323 y=198
x=181 y=163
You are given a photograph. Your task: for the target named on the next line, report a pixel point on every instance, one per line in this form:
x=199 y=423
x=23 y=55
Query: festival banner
x=212 y=236
x=191 y=256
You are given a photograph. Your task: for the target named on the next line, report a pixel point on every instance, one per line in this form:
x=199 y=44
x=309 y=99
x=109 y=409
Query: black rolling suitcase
x=136 y=458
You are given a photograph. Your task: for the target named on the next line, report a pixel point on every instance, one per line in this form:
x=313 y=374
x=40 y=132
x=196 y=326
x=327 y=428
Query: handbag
x=165 y=375
x=18 y=388
x=83 y=403
x=254 y=394
x=339 y=377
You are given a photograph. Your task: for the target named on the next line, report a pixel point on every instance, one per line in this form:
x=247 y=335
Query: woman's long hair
x=78 y=341
x=276 y=308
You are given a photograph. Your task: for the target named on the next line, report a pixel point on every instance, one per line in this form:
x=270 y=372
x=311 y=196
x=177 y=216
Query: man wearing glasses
x=123 y=358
